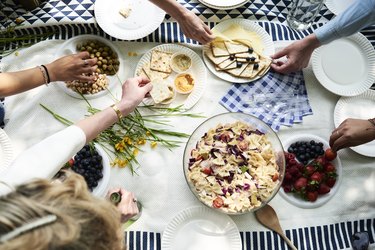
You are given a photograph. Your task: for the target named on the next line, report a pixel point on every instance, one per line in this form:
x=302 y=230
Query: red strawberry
x=312 y=196
x=288 y=177
x=329 y=167
x=330 y=155
x=309 y=170
x=331 y=181
x=316 y=176
x=300 y=184
x=324 y=189
x=320 y=162
x=287 y=188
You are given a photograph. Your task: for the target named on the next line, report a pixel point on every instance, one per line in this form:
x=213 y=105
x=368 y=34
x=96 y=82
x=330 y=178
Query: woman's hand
x=352 y=132
x=133 y=92
x=72 y=67
x=194 y=28
x=297 y=54
x=128 y=204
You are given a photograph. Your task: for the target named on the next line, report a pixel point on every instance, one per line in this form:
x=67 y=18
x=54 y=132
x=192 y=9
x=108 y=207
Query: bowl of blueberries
x=93 y=164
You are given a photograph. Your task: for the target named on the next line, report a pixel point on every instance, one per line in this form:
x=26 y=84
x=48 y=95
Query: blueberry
x=239 y=64
x=256 y=66
x=231 y=57
x=250 y=50
x=248 y=59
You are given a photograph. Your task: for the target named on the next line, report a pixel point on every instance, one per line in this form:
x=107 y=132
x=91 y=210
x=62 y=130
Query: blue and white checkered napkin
x=275 y=99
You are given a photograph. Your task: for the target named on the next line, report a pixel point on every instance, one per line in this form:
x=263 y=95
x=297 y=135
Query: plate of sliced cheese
x=173 y=88
x=240 y=52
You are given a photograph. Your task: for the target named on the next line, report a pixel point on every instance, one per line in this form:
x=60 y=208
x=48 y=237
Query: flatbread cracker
x=152 y=74
x=234 y=48
x=160 y=91
x=227 y=64
x=266 y=65
x=160 y=61
x=248 y=71
x=218 y=48
x=215 y=60
x=238 y=70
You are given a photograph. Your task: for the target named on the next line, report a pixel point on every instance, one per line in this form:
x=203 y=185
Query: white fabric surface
x=45 y=159
x=160 y=184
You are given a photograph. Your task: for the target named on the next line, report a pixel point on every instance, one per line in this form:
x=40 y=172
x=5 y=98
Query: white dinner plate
x=346 y=66
x=358 y=107
x=197 y=70
x=6 y=151
x=269 y=48
x=144 y=18
x=338 y=6
x=70 y=47
x=224 y=4
x=198 y=228
x=322 y=199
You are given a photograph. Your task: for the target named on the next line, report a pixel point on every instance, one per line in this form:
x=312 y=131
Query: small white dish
x=322 y=199
x=346 y=66
x=186 y=78
x=198 y=228
x=357 y=107
x=180 y=62
x=224 y=5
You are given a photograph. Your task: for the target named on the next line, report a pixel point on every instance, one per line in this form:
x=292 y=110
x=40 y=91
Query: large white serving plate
x=224 y=4
x=197 y=70
x=269 y=48
x=357 y=107
x=70 y=47
x=6 y=151
x=144 y=18
x=346 y=66
x=338 y=6
x=322 y=199
x=198 y=228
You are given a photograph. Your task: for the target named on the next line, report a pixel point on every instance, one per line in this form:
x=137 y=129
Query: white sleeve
x=45 y=159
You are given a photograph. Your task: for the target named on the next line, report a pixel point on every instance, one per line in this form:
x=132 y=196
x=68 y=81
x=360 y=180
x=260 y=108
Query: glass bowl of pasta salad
x=234 y=163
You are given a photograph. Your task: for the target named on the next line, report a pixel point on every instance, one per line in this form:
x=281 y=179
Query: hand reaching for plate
x=72 y=67
x=352 y=132
x=127 y=204
x=298 y=55
x=195 y=28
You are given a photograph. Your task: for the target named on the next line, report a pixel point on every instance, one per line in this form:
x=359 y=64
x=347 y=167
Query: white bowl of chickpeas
x=109 y=65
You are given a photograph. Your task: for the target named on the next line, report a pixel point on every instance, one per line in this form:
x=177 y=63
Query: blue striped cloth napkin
x=275 y=99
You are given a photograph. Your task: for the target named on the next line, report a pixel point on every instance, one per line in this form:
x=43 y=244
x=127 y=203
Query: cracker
x=152 y=74
x=215 y=60
x=218 y=49
x=160 y=61
x=248 y=71
x=227 y=64
x=235 y=48
x=160 y=91
x=238 y=70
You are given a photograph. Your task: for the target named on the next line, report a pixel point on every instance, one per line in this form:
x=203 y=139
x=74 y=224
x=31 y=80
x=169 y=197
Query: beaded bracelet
x=117 y=110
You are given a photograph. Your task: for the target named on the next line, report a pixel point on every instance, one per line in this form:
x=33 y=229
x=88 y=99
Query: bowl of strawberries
x=312 y=173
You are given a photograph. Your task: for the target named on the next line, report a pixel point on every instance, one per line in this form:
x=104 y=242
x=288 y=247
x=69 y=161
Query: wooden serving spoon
x=268 y=218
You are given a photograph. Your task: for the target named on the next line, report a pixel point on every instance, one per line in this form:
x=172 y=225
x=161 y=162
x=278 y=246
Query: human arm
x=190 y=24
x=298 y=54
x=352 y=132
x=66 y=68
x=44 y=159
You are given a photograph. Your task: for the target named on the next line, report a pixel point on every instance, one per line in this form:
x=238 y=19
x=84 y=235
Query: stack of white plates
x=223 y=4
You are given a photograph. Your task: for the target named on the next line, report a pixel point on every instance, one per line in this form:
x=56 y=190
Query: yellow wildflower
x=148 y=133
x=122 y=163
x=141 y=141
x=154 y=144
x=120 y=146
x=135 y=152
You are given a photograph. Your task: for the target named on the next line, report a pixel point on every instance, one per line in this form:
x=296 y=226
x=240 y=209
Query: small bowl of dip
x=180 y=62
x=184 y=83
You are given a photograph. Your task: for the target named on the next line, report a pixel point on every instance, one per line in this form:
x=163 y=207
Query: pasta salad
x=233 y=168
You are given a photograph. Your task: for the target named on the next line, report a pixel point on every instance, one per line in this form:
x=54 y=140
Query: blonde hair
x=83 y=221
